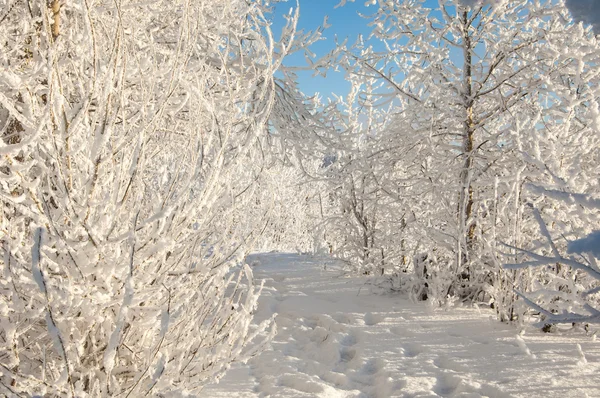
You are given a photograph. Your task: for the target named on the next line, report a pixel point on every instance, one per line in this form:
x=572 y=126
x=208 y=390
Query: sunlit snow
x=336 y=339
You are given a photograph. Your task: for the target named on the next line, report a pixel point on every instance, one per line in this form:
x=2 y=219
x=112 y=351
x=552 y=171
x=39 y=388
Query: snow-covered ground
x=336 y=339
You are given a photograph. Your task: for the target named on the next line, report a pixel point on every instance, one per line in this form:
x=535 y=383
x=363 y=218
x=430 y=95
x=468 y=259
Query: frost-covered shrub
x=568 y=276
x=564 y=164
x=129 y=141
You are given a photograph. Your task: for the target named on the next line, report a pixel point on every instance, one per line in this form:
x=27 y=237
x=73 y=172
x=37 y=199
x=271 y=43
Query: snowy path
x=336 y=340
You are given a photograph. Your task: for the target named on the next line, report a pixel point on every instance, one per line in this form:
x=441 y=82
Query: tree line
x=148 y=147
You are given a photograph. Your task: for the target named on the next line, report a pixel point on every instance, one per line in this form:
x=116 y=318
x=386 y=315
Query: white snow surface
x=338 y=340
x=589 y=244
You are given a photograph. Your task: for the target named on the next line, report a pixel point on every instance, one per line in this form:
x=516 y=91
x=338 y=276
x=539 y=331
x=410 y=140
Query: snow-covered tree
x=132 y=135
x=363 y=222
x=463 y=83
x=289 y=205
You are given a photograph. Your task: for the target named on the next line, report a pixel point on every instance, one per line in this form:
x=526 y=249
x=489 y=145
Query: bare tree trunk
x=466 y=236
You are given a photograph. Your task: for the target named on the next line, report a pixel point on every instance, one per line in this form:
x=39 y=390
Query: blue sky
x=345 y=22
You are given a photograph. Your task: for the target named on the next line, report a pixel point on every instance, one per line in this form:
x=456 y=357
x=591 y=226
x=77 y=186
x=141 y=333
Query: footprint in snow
x=489 y=390
x=339 y=380
x=401 y=331
x=325 y=321
x=481 y=340
x=343 y=318
x=443 y=362
x=300 y=384
x=373 y=319
x=373 y=366
x=411 y=350
x=347 y=354
x=281 y=288
x=447 y=384
x=319 y=335
x=349 y=340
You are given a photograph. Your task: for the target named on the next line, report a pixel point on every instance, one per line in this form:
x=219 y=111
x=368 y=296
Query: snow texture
x=337 y=340
x=589 y=244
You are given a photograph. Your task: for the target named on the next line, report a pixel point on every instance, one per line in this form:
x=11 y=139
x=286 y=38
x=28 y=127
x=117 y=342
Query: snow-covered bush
x=568 y=290
x=564 y=164
x=131 y=138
